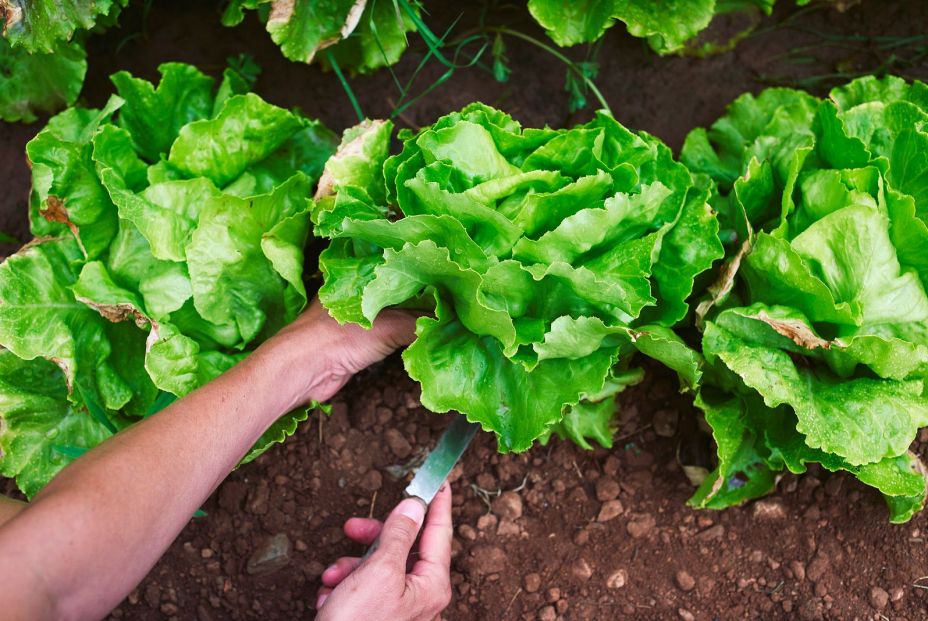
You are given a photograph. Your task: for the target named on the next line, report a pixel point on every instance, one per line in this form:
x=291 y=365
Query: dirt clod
x=532 y=582
x=610 y=510
x=547 y=613
x=372 y=481
x=879 y=598
x=581 y=569
x=713 y=533
x=398 y=444
x=817 y=567
x=641 y=526
x=665 y=423
x=684 y=580
x=486 y=559
x=508 y=506
x=617 y=579
x=607 y=489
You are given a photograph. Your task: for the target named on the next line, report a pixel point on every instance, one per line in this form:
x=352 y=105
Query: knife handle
x=371 y=549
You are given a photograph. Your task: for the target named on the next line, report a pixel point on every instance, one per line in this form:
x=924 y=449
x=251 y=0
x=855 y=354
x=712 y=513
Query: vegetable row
x=43 y=59
x=779 y=268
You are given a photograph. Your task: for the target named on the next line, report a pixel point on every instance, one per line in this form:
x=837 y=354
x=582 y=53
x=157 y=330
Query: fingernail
x=414 y=509
x=321 y=601
x=329 y=568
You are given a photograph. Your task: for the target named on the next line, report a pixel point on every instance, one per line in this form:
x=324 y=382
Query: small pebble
x=271 y=555
x=508 y=505
x=665 y=423
x=879 y=598
x=607 y=488
x=617 y=579
x=685 y=581
x=581 y=569
x=610 y=510
x=532 y=583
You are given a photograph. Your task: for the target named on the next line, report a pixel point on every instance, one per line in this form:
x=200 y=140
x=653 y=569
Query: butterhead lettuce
x=542 y=259
x=816 y=335
x=169 y=229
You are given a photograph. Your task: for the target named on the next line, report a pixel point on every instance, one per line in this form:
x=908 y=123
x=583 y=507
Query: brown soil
x=529 y=540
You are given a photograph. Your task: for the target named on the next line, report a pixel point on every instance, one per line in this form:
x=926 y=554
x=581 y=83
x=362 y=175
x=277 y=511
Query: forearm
x=94 y=532
x=9 y=508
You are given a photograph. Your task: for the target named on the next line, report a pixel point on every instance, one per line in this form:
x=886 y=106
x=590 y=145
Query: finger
x=363 y=530
x=339 y=570
x=435 y=544
x=399 y=533
x=399 y=327
x=321 y=596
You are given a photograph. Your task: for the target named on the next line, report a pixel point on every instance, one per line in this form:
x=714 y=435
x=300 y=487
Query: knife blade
x=438 y=465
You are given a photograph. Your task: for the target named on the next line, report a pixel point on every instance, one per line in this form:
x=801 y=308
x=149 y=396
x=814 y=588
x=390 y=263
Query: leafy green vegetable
x=817 y=340
x=361 y=35
x=33 y=84
x=38 y=25
x=548 y=256
x=42 y=58
x=667 y=25
x=171 y=227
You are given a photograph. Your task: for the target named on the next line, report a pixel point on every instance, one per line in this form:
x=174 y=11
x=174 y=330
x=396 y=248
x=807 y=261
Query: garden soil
x=557 y=532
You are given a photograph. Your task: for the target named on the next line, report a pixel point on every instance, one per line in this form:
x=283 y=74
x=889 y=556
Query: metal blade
x=441 y=460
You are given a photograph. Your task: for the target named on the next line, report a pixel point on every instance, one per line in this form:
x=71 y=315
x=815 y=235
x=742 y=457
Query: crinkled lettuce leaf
x=39 y=25
x=547 y=257
x=42 y=83
x=817 y=340
x=360 y=35
x=667 y=26
x=42 y=431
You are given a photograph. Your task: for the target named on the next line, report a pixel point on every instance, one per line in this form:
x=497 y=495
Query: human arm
x=94 y=532
x=9 y=508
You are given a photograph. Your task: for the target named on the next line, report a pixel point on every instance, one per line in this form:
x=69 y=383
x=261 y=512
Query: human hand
x=336 y=352
x=379 y=587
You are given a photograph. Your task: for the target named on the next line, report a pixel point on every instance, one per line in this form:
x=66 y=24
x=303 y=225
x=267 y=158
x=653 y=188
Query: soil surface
x=557 y=532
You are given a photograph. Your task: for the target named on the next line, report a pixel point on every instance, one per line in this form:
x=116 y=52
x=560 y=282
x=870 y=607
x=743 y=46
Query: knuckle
x=405 y=528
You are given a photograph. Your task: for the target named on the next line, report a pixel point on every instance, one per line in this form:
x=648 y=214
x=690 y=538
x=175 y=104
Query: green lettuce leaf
x=668 y=27
x=361 y=35
x=39 y=25
x=41 y=430
x=34 y=84
x=570 y=23
x=547 y=256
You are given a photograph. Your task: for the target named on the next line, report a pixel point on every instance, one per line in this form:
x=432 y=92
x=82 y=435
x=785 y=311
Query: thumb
x=400 y=531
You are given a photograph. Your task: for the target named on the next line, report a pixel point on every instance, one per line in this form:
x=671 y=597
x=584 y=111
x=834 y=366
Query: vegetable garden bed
x=556 y=530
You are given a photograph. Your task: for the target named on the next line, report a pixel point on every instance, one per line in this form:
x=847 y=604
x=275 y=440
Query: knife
x=438 y=465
